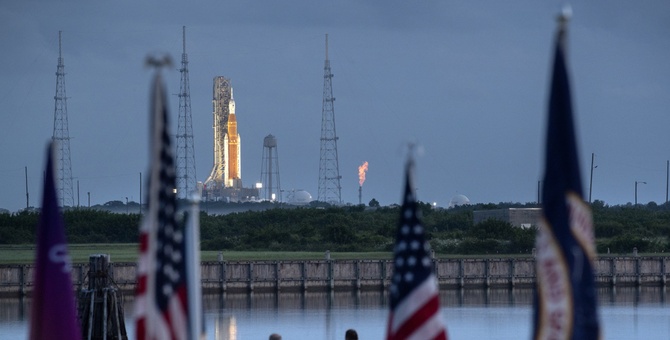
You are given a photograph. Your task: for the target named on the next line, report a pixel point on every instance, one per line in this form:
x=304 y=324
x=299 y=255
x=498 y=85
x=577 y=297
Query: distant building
x=518 y=217
x=459 y=200
x=299 y=197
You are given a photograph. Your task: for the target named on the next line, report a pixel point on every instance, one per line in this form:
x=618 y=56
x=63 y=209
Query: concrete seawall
x=342 y=275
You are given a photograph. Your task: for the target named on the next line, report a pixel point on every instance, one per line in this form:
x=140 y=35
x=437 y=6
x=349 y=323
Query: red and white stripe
x=418 y=315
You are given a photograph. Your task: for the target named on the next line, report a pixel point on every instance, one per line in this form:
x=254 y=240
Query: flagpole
x=194 y=283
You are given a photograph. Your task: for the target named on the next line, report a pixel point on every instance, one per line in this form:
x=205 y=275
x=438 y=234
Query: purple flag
x=53 y=314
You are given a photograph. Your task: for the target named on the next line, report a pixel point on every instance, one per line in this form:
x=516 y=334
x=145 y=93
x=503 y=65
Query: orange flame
x=361 y=173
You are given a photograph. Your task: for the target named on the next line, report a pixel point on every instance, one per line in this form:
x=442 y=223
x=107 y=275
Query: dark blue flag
x=565 y=301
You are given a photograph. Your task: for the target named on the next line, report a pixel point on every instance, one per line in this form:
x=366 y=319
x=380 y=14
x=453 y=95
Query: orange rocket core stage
x=233 y=148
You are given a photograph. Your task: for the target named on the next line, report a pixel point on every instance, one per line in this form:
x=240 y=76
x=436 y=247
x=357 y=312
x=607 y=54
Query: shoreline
x=242 y=277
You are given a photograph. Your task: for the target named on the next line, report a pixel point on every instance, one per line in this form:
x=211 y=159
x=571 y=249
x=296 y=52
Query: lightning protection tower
x=186 y=176
x=329 y=170
x=270 y=190
x=61 y=134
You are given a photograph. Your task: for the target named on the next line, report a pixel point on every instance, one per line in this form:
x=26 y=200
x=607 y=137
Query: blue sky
x=466 y=80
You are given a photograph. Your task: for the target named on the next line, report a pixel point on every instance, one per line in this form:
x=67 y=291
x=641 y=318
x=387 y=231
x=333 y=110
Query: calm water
x=626 y=313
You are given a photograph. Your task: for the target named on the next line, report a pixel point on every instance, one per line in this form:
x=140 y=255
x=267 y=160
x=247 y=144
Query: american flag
x=161 y=296
x=566 y=301
x=415 y=303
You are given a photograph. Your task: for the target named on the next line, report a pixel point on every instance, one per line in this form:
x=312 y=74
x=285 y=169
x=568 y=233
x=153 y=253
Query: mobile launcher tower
x=225 y=181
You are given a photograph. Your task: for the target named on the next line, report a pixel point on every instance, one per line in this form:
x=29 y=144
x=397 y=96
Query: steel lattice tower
x=329 y=170
x=186 y=176
x=61 y=135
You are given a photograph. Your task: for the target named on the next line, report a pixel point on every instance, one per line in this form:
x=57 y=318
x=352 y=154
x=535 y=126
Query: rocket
x=232 y=142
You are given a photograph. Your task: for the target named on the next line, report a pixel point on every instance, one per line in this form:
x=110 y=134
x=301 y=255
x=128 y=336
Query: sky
x=467 y=81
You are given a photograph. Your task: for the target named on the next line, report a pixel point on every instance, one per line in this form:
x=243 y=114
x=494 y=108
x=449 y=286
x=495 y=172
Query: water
x=625 y=313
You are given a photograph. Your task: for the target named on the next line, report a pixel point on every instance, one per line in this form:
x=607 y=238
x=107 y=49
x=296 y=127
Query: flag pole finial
x=158 y=62
x=564 y=16
x=411 y=151
x=414 y=150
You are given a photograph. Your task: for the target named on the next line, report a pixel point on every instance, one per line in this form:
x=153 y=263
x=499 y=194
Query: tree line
x=280 y=227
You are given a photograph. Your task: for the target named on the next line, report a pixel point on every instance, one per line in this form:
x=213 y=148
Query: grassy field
x=127 y=252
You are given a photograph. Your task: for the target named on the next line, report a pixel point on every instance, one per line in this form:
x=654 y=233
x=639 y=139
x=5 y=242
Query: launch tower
x=222 y=93
x=271 y=190
x=329 y=170
x=61 y=135
x=225 y=180
x=186 y=176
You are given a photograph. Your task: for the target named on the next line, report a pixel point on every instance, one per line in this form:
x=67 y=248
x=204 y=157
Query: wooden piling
x=100 y=313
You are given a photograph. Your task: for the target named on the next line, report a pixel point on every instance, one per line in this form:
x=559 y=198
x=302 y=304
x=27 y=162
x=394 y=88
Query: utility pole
x=140 y=193
x=28 y=197
x=591 y=180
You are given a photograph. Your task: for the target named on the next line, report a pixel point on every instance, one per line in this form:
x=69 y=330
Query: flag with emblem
x=161 y=297
x=565 y=301
x=414 y=296
x=53 y=310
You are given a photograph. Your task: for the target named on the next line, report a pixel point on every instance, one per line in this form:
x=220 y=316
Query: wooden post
x=222 y=276
x=104 y=314
x=487 y=282
x=663 y=271
x=98 y=300
x=461 y=273
x=358 y=275
x=22 y=280
x=304 y=276
x=90 y=317
x=512 y=268
x=638 y=280
x=80 y=284
x=251 y=276
x=277 y=282
x=331 y=281
x=382 y=271
x=662 y=259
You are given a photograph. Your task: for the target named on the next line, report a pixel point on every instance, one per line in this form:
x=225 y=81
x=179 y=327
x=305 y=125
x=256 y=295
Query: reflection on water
x=225 y=328
x=630 y=312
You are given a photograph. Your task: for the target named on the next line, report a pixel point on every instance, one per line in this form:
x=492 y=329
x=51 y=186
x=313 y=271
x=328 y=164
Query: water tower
x=270 y=190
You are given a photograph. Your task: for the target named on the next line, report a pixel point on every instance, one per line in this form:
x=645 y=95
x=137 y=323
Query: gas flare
x=361 y=173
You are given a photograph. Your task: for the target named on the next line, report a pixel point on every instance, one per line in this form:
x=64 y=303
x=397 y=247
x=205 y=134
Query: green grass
x=127 y=252
x=21 y=254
